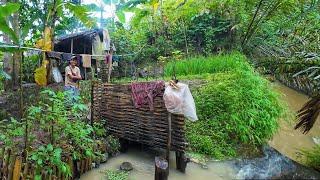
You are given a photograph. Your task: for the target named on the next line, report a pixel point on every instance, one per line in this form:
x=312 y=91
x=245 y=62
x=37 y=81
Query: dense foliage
x=53 y=130
x=313 y=157
x=236 y=108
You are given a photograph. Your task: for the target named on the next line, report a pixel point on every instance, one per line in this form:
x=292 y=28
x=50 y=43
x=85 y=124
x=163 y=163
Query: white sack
x=57 y=75
x=180 y=101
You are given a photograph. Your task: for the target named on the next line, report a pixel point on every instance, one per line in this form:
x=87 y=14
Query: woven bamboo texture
x=113 y=103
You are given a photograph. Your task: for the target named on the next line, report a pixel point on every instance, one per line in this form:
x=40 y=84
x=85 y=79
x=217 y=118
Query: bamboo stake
x=169 y=137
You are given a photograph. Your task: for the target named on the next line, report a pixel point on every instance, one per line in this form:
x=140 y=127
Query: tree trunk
x=16 y=55
x=7 y=64
x=7 y=60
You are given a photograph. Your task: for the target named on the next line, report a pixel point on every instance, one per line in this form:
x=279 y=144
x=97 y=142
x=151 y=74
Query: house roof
x=89 y=34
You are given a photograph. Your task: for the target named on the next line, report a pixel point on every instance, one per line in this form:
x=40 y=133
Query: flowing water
x=289 y=141
x=272 y=164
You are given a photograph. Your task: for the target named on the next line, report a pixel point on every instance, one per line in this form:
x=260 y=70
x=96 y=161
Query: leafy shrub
x=12 y=133
x=49 y=155
x=235 y=108
x=113 y=145
x=313 y=157
x=57 y=131
x=117 y=175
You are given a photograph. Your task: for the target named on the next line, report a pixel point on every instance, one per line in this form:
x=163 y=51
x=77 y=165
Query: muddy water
x=143 y=164
x=287 y=141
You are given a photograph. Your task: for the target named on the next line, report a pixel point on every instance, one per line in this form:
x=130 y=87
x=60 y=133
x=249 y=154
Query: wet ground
x=273 y=165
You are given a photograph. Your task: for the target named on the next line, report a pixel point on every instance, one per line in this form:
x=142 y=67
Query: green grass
x=202 y=65
x=313 y=157
x=236 y=108
x=117 y=175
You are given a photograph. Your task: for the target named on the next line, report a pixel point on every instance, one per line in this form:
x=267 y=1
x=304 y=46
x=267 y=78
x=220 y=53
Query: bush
x=313 y=157
x=236 y=108
x=214 y=64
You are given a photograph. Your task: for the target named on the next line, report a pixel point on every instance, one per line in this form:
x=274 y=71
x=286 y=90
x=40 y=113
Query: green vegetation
x=202 y=65
x=54 y=131
x=117 y=175
x=236 y=107
x=313 y=157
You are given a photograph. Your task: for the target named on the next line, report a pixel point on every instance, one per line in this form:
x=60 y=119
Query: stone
x=316 y=140
x=126 y=166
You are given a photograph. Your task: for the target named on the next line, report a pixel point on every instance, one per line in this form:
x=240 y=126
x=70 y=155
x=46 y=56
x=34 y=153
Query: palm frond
x=308 y=114
x=82 y=13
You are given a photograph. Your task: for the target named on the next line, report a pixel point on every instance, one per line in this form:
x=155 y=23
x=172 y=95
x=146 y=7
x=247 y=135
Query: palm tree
x=308 y=114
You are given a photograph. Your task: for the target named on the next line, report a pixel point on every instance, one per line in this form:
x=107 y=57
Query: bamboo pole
x=169 y=137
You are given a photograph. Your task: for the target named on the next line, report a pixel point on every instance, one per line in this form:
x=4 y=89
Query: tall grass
x=313 y=157
x=202 y=65
x=236 y=108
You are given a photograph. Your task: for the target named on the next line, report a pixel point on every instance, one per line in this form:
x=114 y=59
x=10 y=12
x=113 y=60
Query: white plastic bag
x=57 y=75
x=180 y=101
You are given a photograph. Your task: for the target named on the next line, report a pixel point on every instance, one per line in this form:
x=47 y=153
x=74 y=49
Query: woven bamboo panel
x=113 y=103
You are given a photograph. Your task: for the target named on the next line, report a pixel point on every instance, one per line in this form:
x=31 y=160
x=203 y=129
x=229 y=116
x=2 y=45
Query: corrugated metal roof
x=89 y=34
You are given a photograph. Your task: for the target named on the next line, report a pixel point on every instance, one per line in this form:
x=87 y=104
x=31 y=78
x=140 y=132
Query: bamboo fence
x=16 y=167
x=113 y=103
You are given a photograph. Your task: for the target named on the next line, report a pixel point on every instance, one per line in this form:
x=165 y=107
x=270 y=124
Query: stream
x=273 y=164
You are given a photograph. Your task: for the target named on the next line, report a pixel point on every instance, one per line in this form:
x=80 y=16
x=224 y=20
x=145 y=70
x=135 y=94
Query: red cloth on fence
x=143 y=93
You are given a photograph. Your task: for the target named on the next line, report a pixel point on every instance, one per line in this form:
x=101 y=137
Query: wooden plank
x=17 y=168
x=6 y=161
x=11 y=166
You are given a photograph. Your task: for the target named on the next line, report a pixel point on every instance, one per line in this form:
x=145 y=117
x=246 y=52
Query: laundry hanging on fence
x=108 y=58
x=178 y=100
x=143 y=93
x=86 y=61
x=40 y=75
x=79 y=60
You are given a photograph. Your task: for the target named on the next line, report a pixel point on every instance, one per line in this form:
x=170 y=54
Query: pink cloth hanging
x=143 y=93
x=108 y=58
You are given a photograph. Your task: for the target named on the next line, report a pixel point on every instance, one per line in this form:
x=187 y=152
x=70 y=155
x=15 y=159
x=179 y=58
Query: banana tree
x=5 y=11
x=56 y=11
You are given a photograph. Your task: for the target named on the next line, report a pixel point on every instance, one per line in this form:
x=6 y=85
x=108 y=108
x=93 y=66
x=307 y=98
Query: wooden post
x=161 y=168
x=181 y=161
x=10 y=167
x=71 y=48
x=17 y=168
x=21 y=87
x=169 y=137
x=109 y=68
x=92 y=97
x=5 y=166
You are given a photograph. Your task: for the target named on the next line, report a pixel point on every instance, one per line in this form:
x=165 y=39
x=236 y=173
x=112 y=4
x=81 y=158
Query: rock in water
x=316 y=140
x=126 y=166
x=104 y=158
